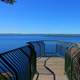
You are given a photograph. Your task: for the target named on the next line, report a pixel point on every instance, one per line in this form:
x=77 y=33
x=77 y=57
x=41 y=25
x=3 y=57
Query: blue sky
x=40 y=16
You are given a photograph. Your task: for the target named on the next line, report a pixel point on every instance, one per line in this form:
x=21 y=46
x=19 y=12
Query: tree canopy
x=8 y=1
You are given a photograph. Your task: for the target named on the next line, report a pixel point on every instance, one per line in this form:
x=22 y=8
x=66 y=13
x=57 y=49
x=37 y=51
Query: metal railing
x=47 y=48
x=18 y=64
x=39 y=47
x=72 y=62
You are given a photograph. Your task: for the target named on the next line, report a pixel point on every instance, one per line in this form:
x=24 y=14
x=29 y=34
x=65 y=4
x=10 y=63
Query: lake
x=8 y=42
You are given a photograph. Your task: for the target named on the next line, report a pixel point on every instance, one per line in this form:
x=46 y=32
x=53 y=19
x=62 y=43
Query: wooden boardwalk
x=55 y=64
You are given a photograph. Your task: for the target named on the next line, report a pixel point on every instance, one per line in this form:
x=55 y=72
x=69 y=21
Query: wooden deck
x=55 y=64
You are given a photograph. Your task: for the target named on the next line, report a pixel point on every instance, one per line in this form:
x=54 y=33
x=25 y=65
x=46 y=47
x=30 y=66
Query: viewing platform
x=41 y=60
x=55 y=69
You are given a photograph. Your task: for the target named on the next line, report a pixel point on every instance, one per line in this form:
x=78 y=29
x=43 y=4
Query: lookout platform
x=50 y=68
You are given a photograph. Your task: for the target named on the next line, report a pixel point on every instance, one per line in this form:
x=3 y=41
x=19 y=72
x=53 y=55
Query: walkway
x=50 y=69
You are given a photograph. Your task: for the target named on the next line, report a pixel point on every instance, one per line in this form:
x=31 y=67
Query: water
x=8 y=42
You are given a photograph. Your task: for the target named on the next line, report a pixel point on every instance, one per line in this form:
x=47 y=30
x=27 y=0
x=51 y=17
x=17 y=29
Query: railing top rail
x=13 y=50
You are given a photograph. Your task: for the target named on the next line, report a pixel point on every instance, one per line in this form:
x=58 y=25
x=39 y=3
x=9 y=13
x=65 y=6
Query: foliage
x=8 y=1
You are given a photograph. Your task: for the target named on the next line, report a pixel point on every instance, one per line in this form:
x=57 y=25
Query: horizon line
x=48 y=34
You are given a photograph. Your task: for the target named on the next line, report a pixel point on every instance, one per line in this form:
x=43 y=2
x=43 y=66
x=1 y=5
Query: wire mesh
x=18 y=64
x=39 y=47
x=72 y=64
x=55 y=48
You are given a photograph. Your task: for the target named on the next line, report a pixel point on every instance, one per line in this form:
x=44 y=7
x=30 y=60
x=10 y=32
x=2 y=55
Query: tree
x=8 y=1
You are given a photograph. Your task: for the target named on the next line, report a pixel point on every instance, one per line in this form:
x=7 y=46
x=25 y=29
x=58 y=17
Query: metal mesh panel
x=55 y=48
x=76 y=66
x=17 y=64
x=36 y=47
x=42 y=48
x=61 y=48
x=72 y=62
x=50 y=48
x=6 y=73
x=32 y=58
x=39 y=47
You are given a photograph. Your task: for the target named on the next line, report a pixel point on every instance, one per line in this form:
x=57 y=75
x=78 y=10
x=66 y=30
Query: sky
x=40 y=17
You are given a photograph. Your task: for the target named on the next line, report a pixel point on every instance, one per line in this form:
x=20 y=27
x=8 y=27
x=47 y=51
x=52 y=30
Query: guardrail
x=47 y=48
x=18 y=64
x=39 y=47
x=72 y=62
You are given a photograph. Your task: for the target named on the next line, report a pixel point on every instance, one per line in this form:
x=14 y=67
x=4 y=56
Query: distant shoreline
x=15 y=34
